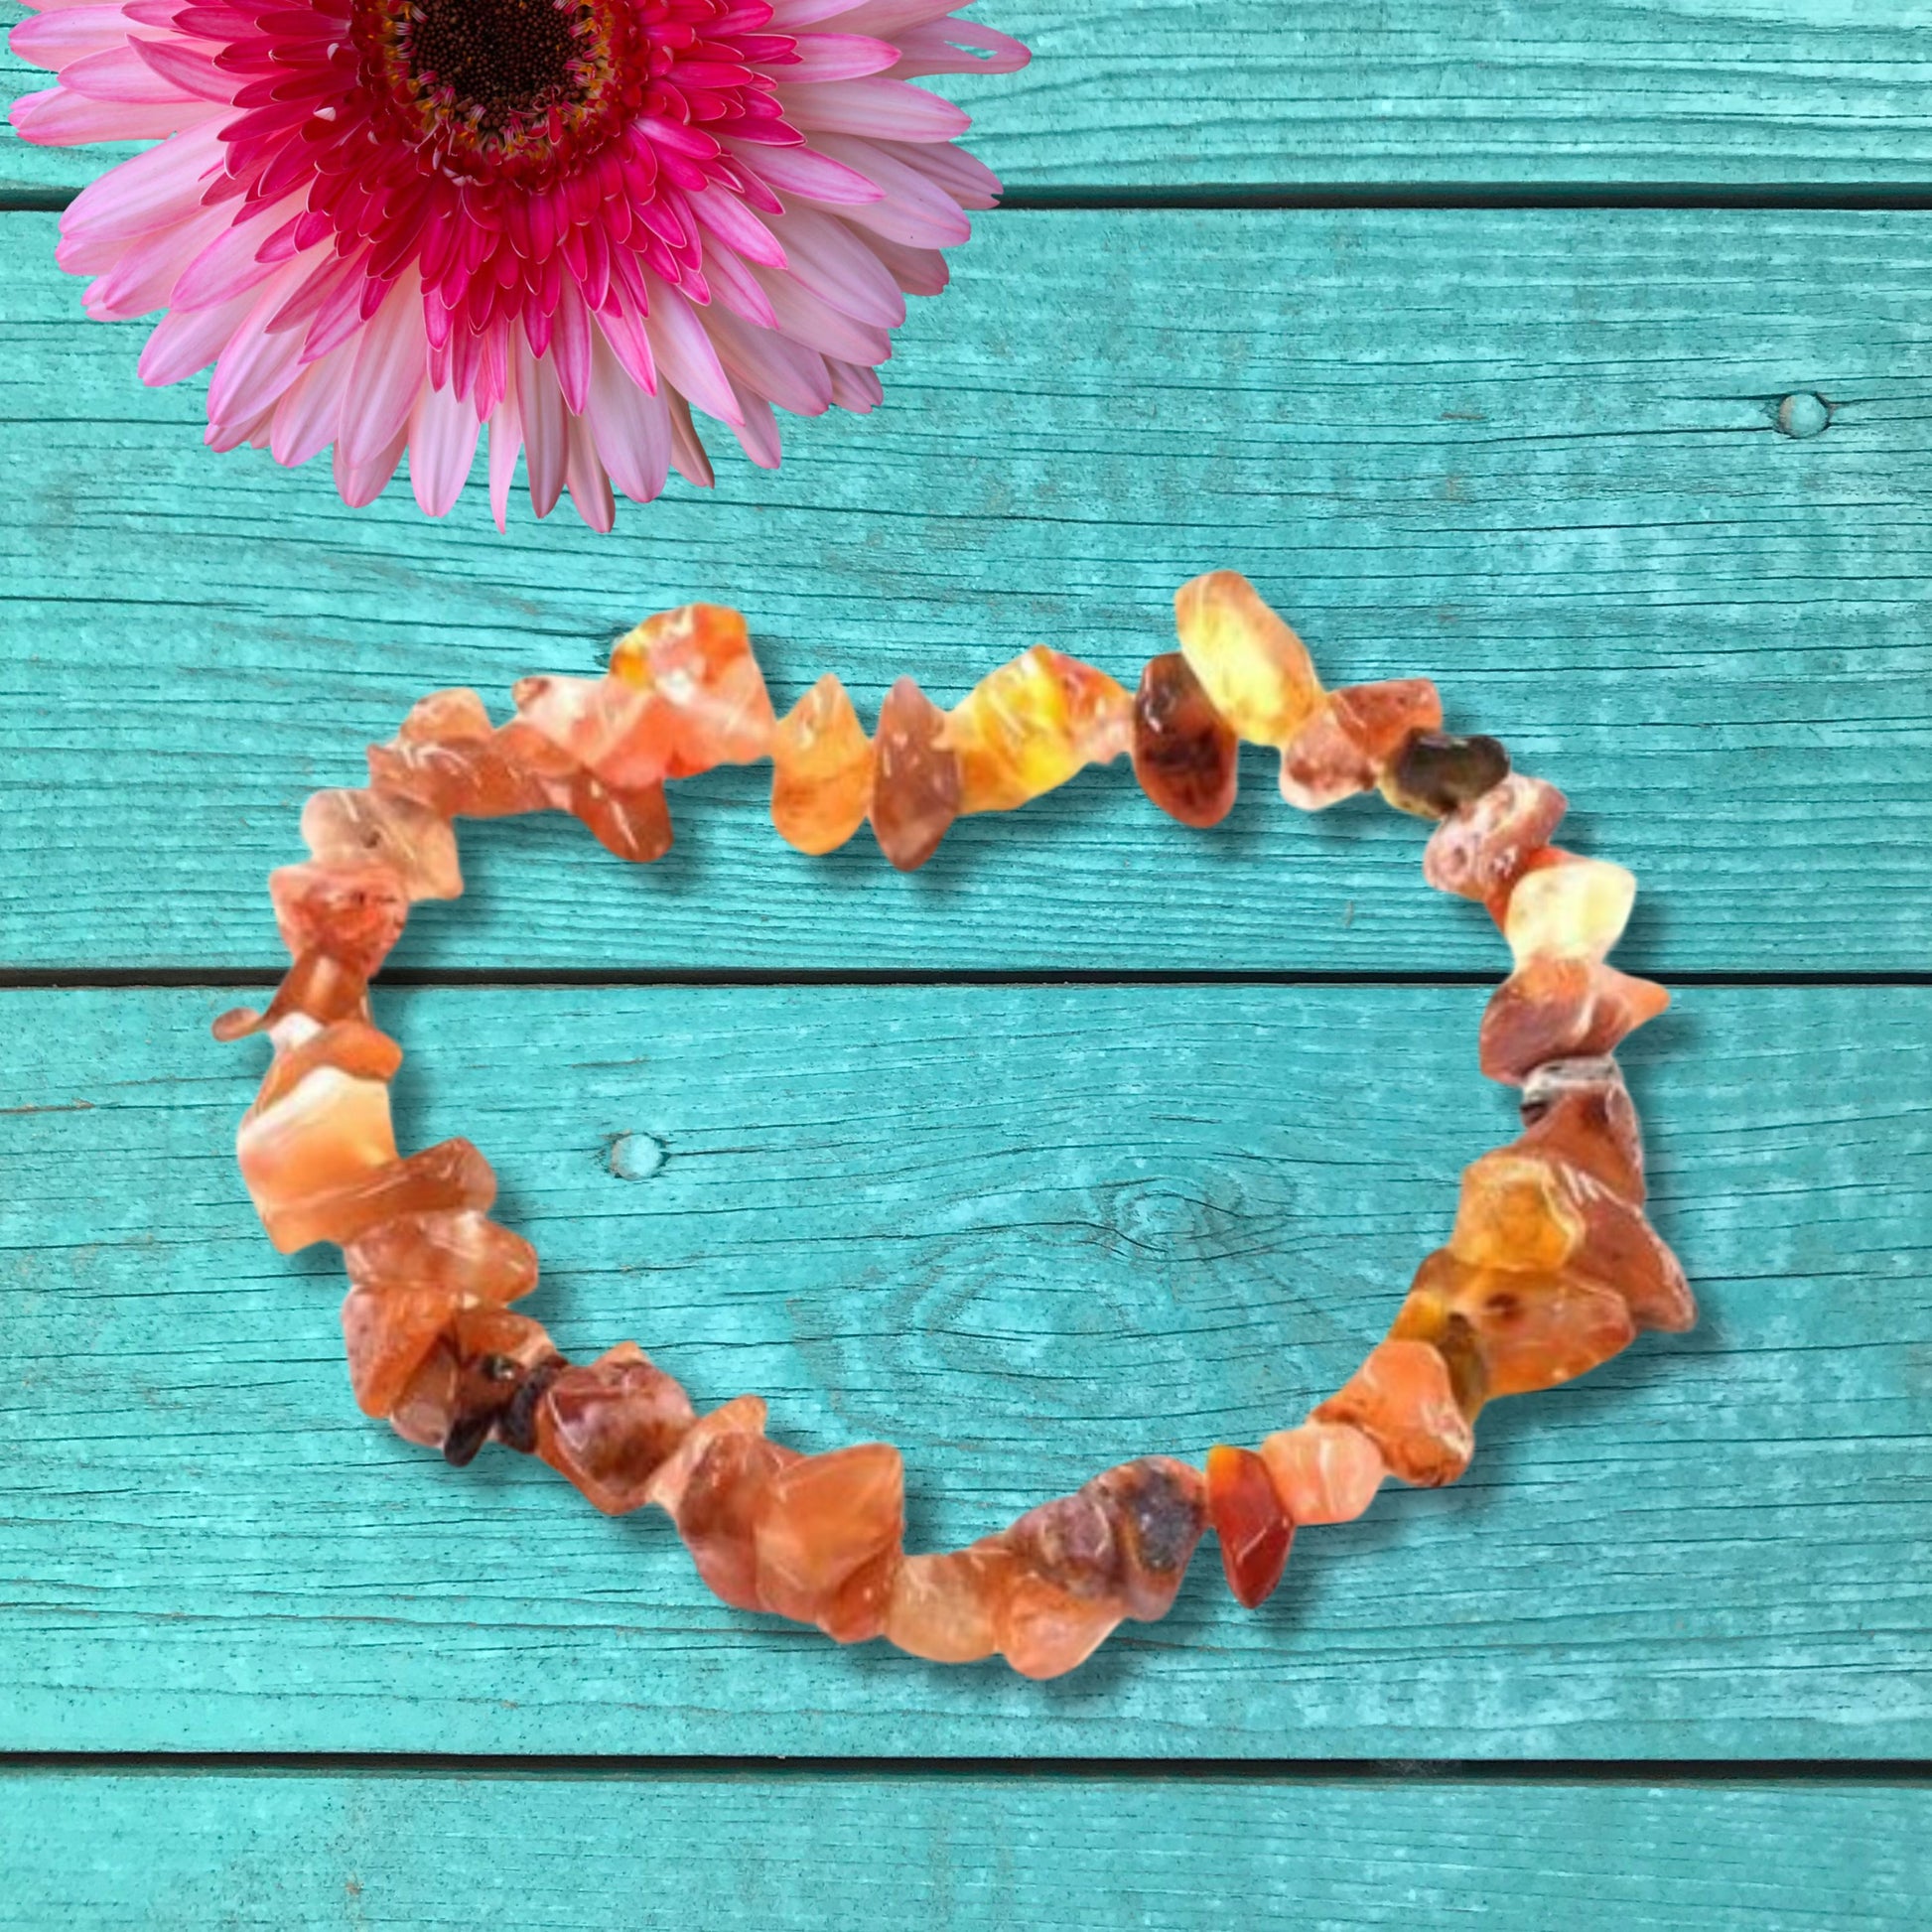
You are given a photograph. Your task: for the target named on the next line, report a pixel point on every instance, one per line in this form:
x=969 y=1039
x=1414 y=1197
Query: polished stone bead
x=1346 y=746
x=1324 y=1473
x=302 y=1045
x=313 y=1141
x=1555 y=1008
x=718 y=1511
x=1534 y=1328
x=609 y=1426
x=1158 y=1507
x=1435 y=771
x=468 y=1377
x=1032 y=725
x=358 y=828
x=386 y=1336
x=1256 y=671
x=1481 y=849
x=1125 y=1538
x=356 y=914
x=1185 y=754
x=1249 y=1522
x=1516 y=1211
x=821 y=770
x=1404 y=1400
x=827 y=1532
x=946 y=1608
x=447 y=756
x=916 y=780
x=619 y=733
x=1574 y=910
x=317 y=988
x=698 y=660
x=449 y=1176
x=634 y=821
x=464 y=1253
x=741 y=1414
x=1580 y=1111
x=1045 y=1632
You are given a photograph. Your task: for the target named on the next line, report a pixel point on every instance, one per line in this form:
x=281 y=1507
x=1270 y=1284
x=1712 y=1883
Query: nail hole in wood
x=635 y=1157
x=1804 y=415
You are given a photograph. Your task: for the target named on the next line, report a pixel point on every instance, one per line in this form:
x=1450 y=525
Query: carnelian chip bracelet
x=1551 y=1267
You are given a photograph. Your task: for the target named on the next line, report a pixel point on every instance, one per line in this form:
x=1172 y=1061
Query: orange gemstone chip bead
x=916 y=780
x=1029 y=726
x=821 y=770
x=1185 y=754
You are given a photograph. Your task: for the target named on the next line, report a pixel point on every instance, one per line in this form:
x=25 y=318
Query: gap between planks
x=1646 y=1772
x=1797 y=196
x=111 y=979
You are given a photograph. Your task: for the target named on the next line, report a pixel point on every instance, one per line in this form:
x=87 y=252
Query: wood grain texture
x=1533 y=454
x=1154 y=93
x=864 y=1853
x=1024 y=1232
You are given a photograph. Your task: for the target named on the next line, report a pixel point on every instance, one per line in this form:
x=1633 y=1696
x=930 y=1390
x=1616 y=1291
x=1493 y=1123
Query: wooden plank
x=1533 y=454
x=863 y=1852
x=1162 y=94
x=1024 y=1231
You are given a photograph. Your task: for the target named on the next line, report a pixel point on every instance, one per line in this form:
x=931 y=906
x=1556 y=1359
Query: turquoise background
x=1465 y=328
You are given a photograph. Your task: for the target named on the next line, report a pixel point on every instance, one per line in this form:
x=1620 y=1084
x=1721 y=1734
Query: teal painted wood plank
x=1533 y=454
x=1128 y=94
x=1024 y=1232
x=1084 y=1854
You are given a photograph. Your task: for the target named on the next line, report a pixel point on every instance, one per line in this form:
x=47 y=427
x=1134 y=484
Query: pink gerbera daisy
x=387 y=222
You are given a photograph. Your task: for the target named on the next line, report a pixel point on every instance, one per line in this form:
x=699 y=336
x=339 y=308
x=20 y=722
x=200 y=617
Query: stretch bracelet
x=1551 y=1269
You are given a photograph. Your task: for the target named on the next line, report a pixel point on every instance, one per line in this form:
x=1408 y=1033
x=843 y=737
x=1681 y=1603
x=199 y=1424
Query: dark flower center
x=512 y=58
x=483 y=88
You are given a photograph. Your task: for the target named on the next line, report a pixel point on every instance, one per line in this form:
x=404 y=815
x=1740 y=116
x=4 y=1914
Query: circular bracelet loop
x=1550 y=1268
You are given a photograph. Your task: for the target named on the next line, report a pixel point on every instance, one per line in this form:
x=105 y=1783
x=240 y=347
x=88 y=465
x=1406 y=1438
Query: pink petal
x=970 y=183
x=632 y=429
x=360 y=483
x=732 y=288
x=145 y=276
x=958 y=47
x=683 y=352
x=187 y=340
x=443 y=434
x=225 y=268
x=887 y=109
x=839 y=57
x=910 y=208
x=806 y=319
x=569 y=346
x=855 y=388
x=256 y=368
x=803 y=171
x=187 y=69
x=590 y=487
x=119 y=74
x=757 y=435
x=52 y=39
x=792 y=375
x=505 y=440
x=918 y=271
x=731 y=220
x=687 y=453
x=546 y=429
x=305 y=417
x=835 y=265
x=149 y=190
x=391 y=365
x=61 y=118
